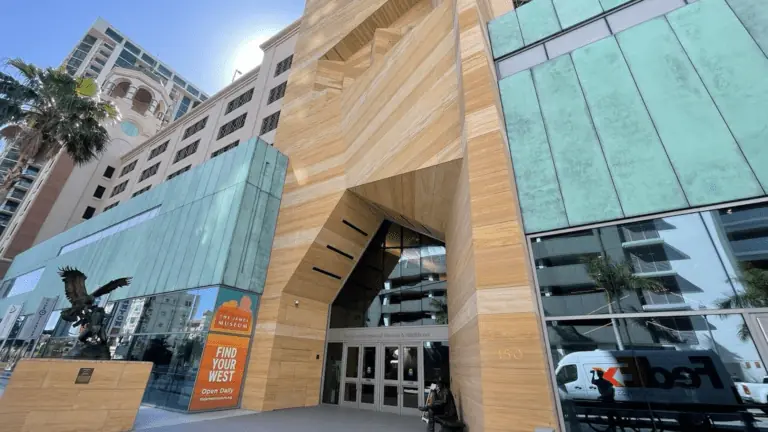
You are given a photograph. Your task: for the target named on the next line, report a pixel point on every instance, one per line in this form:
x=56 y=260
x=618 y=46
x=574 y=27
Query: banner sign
x=9 y=319
x=222 y=366
x=221 y=373
x=35 y=324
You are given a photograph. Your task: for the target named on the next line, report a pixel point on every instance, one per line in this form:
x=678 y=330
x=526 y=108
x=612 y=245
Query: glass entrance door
x=360 y=376
x=350 y=389
x=400 y=384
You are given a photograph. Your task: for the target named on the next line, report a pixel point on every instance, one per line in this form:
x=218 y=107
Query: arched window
x=141 y=101
x=120 y=90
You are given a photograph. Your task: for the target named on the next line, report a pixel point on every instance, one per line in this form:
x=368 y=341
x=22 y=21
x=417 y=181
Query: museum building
x=558 y=207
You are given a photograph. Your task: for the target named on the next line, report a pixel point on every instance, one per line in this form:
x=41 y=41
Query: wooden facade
x=392 y=112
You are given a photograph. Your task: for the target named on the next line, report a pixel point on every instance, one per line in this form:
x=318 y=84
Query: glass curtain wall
x=659 y=324
x=399 y=281
x=167 y=329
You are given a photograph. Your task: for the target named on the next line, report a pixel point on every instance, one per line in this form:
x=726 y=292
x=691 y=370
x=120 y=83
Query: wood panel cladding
x=392 y=112
x=42 y=395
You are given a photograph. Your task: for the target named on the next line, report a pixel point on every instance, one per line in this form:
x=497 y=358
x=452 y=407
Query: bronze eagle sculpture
x=85 y=311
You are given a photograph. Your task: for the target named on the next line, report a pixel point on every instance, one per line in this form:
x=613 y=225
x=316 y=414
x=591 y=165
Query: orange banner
x=221 y=373
x=234 y=317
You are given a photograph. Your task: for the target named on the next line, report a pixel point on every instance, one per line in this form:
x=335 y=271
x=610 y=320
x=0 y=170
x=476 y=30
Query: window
x=128 y=168
x=109 y=172
x=111 y=206
x=269 y=123
x=99 y=61
x=119 y=188
x=95 y=68
x=114 y=35
x=132 y=48
x=114 y=229
x=126 y=59
x=149 y=172
x=569 y=373
x=99 y=192
x=225 y=149
x=164 y=70
x=140 y=191
x=183 y=107
x=88 y=213
x=284 y=65
x=193 y=91
x=239 y=101
x=179 y=81
x=24 y=283
x=186 y=151
x=232 y=126
x=276 y=93
x=150 y=61
x=195 y=128
x=158 y=150
x=179 y=172
x=195 y=104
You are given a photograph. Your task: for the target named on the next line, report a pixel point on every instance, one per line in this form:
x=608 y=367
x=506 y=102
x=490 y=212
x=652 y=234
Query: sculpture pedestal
x=57 y=395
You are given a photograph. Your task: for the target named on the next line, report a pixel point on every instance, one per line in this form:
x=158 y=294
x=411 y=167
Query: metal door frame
x=344 y=379
x=401 y=383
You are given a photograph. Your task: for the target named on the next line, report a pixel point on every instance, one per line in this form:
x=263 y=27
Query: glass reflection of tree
x=754 y=295
x=441 y=310
x=617 y=279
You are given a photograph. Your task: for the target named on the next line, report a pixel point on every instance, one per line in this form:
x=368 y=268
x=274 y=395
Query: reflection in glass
x=674 y=373
x=350 y=392
x=369 y=362
x=410 y=397
x=436 y=364
x=411 y=364
x=400 y=280
x=389 y=395
x=391 y=363
x=353 y=354
x=332 y=379
x=367 y=393
x=682 y=253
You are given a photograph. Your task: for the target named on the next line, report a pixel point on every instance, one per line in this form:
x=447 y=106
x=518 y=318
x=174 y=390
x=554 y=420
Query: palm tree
x=44 y=111
x=754 y=295
x=617 y=279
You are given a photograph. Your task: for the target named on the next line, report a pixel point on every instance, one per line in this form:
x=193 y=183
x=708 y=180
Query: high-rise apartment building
x=558 y=208
x=149 y=96
x=103 y=48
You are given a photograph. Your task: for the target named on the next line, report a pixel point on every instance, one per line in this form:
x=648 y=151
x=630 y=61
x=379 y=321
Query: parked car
x=753 y=392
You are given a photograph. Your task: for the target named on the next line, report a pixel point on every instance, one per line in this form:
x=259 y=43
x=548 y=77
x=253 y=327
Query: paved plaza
x=316 y=419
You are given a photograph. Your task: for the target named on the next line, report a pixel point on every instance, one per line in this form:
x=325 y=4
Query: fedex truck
x=648 y=376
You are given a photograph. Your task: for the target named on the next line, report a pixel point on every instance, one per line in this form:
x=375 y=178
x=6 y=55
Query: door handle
x=577 y=387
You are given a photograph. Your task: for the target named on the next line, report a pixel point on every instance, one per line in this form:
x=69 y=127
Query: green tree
x=45 y=111
x=441 y=310
x=755 y=295
x=617 y=279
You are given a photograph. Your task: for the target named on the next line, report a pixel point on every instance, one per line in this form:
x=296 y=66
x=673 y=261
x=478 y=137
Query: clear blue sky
x=203 y=40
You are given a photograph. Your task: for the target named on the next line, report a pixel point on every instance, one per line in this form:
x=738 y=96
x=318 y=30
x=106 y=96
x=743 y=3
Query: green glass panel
x=588 y=192
x=754 y=15
x=571 y=12
x=641 y=171
x=709 y=164
x=610 y=4
x=505 y=34
x=733 y=69
x=537 y=20
x=537 y=187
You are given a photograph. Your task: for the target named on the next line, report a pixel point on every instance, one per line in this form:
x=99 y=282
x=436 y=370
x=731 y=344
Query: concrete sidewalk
x=322 y=418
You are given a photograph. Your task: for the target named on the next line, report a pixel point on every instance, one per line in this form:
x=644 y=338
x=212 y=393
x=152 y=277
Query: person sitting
x=441 y=408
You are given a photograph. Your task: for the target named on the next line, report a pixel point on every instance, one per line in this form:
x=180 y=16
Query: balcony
x=30 y=172
x=8 y=208
x=16 y=195
x=23 y=184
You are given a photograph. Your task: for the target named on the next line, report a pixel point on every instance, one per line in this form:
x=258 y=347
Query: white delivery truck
x=652 y=376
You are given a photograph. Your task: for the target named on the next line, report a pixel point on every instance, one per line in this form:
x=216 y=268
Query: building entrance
x=388 y=332
x=383 y=377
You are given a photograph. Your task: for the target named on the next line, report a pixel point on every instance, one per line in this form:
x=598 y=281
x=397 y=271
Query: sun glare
x=248 y=54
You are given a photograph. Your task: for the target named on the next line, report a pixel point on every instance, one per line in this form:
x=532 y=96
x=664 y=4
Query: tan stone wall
x=42 y=396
